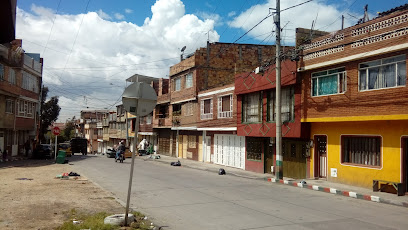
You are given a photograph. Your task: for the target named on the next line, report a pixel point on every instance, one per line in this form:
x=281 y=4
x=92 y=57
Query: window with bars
x=252 y=108
x=206 y=109
x=287 y=105
x=189 y=80
x=9 y=106
x=361 y=150
x=383 y=73
x=225 y=106
x=12 y=76
x=254 y=148
x=329 y=82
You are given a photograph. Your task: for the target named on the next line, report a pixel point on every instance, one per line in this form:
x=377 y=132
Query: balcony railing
x=33 y=64
x=226 y=114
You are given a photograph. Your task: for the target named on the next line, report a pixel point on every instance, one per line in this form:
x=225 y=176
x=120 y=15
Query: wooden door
x=320 y=156
x=269 y=152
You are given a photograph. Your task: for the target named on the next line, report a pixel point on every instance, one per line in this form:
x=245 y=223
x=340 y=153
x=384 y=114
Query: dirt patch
x=31 y=197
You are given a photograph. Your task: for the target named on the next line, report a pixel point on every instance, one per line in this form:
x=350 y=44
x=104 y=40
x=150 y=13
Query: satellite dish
x=139 y=99
x=184 y=48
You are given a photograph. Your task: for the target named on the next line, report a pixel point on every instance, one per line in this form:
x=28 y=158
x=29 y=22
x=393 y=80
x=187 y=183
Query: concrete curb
x=339 y=192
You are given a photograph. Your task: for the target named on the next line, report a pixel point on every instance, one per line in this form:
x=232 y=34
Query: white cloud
x=92 y=72
x=231 y=14
x=328 y=18
x=128 y=11
x=103 y=15
x=119 y=16
x=215 y=17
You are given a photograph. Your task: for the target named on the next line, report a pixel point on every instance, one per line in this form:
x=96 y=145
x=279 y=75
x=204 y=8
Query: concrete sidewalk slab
x=311 y=184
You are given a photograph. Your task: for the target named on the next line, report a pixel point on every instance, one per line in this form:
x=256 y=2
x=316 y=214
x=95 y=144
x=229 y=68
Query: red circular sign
x=56 y=131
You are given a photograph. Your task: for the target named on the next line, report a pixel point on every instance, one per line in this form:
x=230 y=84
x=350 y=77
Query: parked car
x=43 y=151
x=110 y=153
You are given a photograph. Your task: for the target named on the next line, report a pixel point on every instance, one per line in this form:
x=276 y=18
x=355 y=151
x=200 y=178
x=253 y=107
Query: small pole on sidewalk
x=55 y=153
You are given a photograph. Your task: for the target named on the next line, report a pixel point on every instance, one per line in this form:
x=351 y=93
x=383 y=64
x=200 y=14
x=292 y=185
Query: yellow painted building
x=392 y=134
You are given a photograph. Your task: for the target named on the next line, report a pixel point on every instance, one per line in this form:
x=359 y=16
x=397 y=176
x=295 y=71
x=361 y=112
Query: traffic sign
x=139 y=99
x=56 y=131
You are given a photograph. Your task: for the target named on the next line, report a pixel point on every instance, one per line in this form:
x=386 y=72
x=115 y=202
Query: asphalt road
x=183 y=198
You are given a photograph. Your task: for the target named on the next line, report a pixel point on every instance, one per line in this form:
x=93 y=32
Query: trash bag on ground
x=177 y=163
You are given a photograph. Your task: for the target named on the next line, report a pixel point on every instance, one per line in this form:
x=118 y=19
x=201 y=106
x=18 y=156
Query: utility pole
x=279 y=158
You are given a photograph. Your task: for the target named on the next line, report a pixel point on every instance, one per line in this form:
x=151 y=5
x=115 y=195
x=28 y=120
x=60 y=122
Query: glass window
x=383 y=73
x=287 y=105
x=225 y=106
x=149 y=119
x=361 y=150
x=9 y=106
x=189 y=80
x=12 y=76
x=206 y=109
x=329 y=82
x=252 y=109
x=1 y=72
x=254 y=148
x=177 y=84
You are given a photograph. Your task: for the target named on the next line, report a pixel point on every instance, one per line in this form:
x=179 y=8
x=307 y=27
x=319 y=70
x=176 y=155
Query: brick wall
x=351 y=41
x=215 y=121
x=389 y=101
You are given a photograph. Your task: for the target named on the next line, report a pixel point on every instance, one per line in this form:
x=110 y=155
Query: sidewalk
x=316 y=185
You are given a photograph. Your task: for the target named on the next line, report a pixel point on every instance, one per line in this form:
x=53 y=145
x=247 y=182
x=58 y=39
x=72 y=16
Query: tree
x=69 y=130
x=49 y=112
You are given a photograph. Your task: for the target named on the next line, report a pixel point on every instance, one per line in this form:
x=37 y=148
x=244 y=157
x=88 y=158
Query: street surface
x=184 y=198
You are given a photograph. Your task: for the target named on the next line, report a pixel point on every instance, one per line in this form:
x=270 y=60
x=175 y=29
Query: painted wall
x=358 y=175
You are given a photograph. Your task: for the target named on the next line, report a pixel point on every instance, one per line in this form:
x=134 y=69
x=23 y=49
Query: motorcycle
x=121 y=157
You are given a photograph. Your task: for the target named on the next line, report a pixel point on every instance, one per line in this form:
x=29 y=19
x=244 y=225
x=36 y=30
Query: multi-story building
x=256 y=96
x=354 y=96
x=162 y=121
x=200 y=84
x=91 y=125
x=20 y=84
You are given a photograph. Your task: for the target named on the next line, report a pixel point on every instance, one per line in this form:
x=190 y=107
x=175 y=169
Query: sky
x=90 y=47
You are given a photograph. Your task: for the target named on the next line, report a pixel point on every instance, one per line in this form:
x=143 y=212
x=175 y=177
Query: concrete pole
x=133 y=156
x=279 y=158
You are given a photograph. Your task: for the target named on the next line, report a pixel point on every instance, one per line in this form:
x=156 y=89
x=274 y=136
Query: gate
x=320 y=156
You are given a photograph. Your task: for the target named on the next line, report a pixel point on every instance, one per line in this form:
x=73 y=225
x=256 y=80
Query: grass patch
x=95 y=221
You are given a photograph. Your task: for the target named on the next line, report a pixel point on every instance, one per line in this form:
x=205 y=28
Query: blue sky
x=91 y=46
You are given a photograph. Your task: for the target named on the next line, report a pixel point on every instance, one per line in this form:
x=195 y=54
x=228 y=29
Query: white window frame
x=189 y=80
x=9 y=106
x=12 y=76
x=341 y=81
x=177 y=84
x=206 y=116
x=20 y=108
x=381 y=67
x=252 y=111
x=225 y=114
x=29 y=109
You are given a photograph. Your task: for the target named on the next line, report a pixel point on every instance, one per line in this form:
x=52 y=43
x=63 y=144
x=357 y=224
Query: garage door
x=229 y=150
